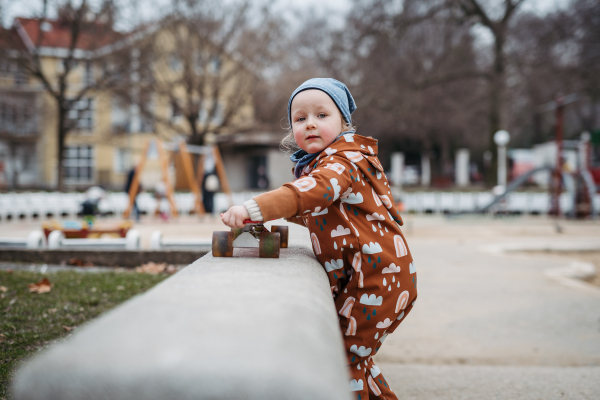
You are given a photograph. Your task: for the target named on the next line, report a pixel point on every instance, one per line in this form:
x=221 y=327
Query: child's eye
x=300 y=119
x=322 y=115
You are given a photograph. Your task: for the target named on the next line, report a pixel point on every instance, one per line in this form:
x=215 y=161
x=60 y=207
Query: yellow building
x=109 y=125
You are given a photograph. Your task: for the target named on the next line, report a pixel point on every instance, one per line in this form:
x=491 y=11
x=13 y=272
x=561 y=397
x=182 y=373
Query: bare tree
x=208 y=57
x=81 y=37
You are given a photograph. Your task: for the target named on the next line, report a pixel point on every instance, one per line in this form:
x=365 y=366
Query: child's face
x=316 y=120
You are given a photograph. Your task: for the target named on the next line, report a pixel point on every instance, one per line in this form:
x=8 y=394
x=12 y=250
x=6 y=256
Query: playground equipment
x=131 y=241
x=82 y=230
x=194 y=182
x=35 y=240
x=253 y=235
x=579 y=185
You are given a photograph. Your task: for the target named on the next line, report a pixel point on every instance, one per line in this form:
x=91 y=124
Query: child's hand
x=235 y=216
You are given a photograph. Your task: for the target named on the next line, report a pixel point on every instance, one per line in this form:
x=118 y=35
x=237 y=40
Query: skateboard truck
x=253 y=235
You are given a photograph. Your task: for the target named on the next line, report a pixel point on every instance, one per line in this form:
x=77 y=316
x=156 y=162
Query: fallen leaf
x=43 y=286
x=52 y=310
x=67 y=328
x=2 y=338
x=120 y=287
x=151 y=268
x=9 y=271
x=3 y=288
x=171 y=269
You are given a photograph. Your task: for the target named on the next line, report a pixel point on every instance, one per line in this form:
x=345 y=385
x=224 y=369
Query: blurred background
x=89 y=90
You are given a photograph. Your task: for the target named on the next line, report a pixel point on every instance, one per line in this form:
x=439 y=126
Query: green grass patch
x=29 y=321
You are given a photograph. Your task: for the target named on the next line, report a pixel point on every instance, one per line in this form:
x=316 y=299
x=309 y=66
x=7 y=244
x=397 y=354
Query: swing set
x=166 y=154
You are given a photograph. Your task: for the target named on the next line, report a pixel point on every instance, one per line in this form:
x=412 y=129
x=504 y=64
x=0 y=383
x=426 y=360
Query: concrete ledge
x=222 y=328
x=121 y=258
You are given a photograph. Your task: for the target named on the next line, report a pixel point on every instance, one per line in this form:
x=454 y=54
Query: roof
x=10 y=40
x=57 y=34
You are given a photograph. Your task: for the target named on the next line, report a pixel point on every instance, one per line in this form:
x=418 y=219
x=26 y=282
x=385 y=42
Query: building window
x=81 y=114
x=88 y=77
x=78 y=164
x=121 y=161
x=258 y=172
x=16 y=119
x=119 y=116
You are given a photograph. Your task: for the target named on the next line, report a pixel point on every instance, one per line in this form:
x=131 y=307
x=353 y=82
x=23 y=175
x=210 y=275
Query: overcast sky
x=14 y=8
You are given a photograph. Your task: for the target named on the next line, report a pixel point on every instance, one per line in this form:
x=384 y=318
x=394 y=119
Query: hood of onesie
x=335 y=89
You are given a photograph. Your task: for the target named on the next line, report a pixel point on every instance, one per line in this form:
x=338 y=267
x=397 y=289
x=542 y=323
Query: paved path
x=491 y=325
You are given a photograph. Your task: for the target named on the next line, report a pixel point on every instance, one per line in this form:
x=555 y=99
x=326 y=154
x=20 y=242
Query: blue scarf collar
x=302 y=158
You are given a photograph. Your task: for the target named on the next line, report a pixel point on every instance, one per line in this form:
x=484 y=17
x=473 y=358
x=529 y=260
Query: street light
x=501 y=139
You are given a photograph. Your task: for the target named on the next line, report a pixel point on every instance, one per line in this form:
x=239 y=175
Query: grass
x=30 y=321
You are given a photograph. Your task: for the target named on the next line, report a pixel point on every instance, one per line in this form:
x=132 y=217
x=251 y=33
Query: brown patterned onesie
x=343 y=198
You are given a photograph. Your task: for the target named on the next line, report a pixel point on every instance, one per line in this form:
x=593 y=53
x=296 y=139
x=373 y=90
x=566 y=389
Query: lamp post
x=501 y=139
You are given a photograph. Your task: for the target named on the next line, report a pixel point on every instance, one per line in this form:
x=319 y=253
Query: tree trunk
x=62 y=133
x=495 y=111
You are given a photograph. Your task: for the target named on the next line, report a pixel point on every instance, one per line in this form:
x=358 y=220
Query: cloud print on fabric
x=384 y=324
x=412 y=268
x=375 y=217
x=335 y=264
x=371 y=300
x=361 y=351
x=318 y=211
x=375 y=371
x=336 y=188
x=340 y=231
x=372 y=248
x=356 y=386
x=329 y=151
x=352 y=198
x=391 y=269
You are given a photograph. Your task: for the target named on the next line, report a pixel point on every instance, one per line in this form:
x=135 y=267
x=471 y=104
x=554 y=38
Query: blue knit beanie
x=338 y=92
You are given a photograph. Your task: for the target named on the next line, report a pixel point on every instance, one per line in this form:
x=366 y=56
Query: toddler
x=343 y=197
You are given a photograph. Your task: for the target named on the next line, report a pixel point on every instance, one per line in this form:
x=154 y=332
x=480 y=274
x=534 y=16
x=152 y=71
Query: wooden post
x=165 y=170
x=189 y=172
x=222 y=174
x=135 y=183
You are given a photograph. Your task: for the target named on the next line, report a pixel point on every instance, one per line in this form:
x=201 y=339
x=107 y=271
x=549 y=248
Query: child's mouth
x=311 y=137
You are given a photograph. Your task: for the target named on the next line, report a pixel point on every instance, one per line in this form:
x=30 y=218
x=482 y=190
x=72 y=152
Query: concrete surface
x=489 y=323
x=222 y=328
x=432 y=382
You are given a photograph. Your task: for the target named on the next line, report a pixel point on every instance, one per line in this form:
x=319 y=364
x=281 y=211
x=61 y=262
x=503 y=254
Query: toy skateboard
x=253 y=235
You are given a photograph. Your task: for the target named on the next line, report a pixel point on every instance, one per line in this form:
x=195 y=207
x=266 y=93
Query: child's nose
x=311 y=123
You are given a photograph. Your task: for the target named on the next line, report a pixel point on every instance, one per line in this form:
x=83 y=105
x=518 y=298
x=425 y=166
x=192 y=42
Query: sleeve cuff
x=254 y=210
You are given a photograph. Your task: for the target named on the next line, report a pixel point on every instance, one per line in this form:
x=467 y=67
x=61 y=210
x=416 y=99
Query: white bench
x=35 y=240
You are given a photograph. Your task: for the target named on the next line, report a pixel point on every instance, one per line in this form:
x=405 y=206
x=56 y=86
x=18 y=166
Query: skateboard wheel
x=284 y=234
x=268 y=245
x=222 y=244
